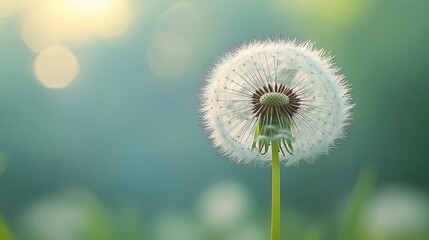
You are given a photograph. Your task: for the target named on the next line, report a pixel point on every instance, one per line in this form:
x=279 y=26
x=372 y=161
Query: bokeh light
x=224 y=205
x=181 y=18
x=40 y=30
x=99 y=17
x=74 y=21
x=115 y=18
x=56 y=67
x=169 y=55
x=9 y=7
x=179 y=35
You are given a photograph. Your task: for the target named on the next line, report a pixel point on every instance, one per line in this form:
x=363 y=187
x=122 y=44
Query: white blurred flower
x=248 y=232
x=224 y=205
x=54 y=219
x=397 y=210
x=174 y=226
x=275 y=90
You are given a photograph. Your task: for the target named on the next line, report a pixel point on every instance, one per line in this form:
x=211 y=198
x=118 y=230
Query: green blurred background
x=102 y=139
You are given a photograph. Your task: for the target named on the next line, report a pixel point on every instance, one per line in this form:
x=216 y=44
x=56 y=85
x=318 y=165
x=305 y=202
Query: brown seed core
x=260 y=109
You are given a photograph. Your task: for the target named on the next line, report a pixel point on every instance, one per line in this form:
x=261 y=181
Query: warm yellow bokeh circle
x=56 y=67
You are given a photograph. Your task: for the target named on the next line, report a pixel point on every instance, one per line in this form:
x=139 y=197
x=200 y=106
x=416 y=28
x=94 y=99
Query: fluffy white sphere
x=275 y=79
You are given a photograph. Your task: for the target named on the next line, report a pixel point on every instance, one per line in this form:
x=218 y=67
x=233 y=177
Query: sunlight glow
x=100 y=17
x=9 y=7
x=39 y=31
x=92 y=5
x=114 y=20
x=51 y=21
x=56 y=67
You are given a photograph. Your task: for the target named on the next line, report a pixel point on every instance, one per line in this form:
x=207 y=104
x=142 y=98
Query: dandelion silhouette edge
x=275 y=90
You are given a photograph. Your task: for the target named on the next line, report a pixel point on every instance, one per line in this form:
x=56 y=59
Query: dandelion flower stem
x=275 y=207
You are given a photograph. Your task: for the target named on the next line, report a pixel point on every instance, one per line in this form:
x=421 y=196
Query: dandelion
x=275 y=101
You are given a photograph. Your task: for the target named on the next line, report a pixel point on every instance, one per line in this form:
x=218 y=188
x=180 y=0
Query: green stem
x=275 y=207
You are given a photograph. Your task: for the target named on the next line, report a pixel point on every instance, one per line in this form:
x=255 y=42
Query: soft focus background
x=100 y=137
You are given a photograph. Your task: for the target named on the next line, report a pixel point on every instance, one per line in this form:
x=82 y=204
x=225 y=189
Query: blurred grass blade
x=5 y=233
x=99 y=223
x=361 y=194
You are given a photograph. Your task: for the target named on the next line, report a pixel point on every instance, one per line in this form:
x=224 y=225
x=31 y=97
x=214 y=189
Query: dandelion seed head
x=282 y=90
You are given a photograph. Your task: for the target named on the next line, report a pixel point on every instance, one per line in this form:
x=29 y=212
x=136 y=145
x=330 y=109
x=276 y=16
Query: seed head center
x=274 y=99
